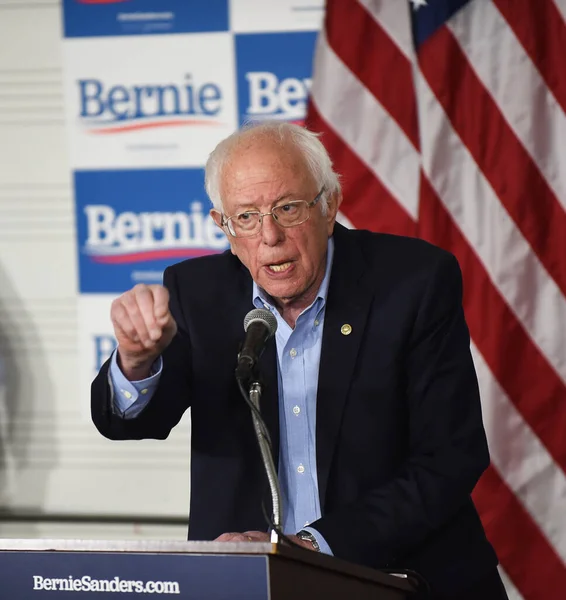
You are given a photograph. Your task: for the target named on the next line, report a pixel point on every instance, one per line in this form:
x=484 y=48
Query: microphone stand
x=267 y=458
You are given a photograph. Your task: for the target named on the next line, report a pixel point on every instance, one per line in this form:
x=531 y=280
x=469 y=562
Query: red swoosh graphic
x=117 y=259
x=137 y=126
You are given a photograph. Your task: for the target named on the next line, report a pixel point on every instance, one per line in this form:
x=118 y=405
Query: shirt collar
x=261 y=298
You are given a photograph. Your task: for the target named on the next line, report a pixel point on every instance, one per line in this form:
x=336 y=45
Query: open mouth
x=279 y=268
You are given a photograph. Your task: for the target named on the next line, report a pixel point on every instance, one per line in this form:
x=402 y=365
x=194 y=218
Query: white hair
x=314 y=153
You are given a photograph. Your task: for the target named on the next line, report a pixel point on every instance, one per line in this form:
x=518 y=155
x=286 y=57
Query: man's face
x=288 y=263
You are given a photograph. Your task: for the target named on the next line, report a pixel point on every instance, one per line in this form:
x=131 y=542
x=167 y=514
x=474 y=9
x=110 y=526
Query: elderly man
x=370 y=393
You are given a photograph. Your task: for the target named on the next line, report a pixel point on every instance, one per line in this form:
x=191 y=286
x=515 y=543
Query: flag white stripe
x=561 y=6
x=396 y=22
x=343 y=220
x=362 y=122
x=511 y=590
x=530 y=292
x=522 y=460
x=518 y=90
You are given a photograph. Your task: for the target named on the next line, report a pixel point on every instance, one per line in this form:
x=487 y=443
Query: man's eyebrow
x=282 y=198
x=288 y=196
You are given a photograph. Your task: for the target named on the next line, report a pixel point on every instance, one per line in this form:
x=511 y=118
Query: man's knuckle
x=117 y=311
x=129 y=328
x=134 y=310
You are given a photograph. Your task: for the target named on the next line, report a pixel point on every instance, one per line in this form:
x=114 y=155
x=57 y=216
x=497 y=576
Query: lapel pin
x=346 y=329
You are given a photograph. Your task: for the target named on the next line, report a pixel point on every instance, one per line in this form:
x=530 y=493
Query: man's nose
x=271 y=232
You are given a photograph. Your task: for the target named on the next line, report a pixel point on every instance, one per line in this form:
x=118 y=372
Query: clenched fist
x=143 y=326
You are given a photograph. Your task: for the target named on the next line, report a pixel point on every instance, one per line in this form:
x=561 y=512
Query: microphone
x=260 y=325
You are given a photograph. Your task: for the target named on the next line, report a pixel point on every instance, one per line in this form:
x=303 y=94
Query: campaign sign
x=96 y=342
x=89 y=18
x=276 y=15
x=274 y=75
x=132 y=224
x=36 y=575
x=149 y=101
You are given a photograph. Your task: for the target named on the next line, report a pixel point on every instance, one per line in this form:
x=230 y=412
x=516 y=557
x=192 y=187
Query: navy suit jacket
x=399 y=436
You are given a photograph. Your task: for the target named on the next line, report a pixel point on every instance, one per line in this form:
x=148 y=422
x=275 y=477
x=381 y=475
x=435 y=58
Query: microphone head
x=264 y=316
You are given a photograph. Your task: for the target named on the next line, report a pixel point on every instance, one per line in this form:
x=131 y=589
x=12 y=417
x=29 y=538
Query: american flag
x=447 y=121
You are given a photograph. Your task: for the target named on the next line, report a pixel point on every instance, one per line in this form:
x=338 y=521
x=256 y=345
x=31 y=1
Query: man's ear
x=217 y=218
x=333 y=205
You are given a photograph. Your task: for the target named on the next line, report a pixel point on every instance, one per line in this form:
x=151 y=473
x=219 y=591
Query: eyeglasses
x=290 y=214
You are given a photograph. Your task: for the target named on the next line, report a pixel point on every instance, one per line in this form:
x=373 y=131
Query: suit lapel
x=346 y=313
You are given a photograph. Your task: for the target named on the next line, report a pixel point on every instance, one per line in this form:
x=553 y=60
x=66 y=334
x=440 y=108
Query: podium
x=69 y=569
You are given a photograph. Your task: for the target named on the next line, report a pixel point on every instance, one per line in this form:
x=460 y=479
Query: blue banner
x=274 y=75
x=87 y=18
x=131 y=224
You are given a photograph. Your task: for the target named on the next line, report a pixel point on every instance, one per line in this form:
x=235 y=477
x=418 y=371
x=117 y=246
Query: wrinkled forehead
x=263 y=170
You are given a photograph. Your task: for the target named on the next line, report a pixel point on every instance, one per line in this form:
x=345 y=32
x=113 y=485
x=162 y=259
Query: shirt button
x=296 y=410
x=144 y=391
x=317 y=323
x=293 y=352
x=300 y=469
x=127 y=394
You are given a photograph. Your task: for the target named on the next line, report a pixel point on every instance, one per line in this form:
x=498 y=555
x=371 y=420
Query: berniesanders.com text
x=116 y=584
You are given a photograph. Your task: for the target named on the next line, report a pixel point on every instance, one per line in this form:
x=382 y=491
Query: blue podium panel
x=83 y=575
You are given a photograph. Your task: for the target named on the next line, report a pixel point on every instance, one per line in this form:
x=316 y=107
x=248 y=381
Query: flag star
x=418 y=3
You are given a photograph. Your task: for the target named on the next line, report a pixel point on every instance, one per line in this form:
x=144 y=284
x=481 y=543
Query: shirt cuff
x=131 y=397
x=322 y=543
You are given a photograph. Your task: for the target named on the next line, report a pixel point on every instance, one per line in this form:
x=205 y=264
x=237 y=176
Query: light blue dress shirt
x=298 y=360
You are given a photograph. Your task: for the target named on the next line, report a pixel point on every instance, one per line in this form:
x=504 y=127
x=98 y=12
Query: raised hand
x=143 y=326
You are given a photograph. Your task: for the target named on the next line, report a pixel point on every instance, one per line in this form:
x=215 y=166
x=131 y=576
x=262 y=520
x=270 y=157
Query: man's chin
x=283 y=294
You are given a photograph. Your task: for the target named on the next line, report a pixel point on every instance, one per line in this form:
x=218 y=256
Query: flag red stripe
x=542 y=33
x=516 y=362
x=524 y=552
x=368 y=51
x=497 y=151
x=367 y=203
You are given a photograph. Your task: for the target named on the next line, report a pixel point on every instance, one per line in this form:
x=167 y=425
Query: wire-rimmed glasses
x=288 y=214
